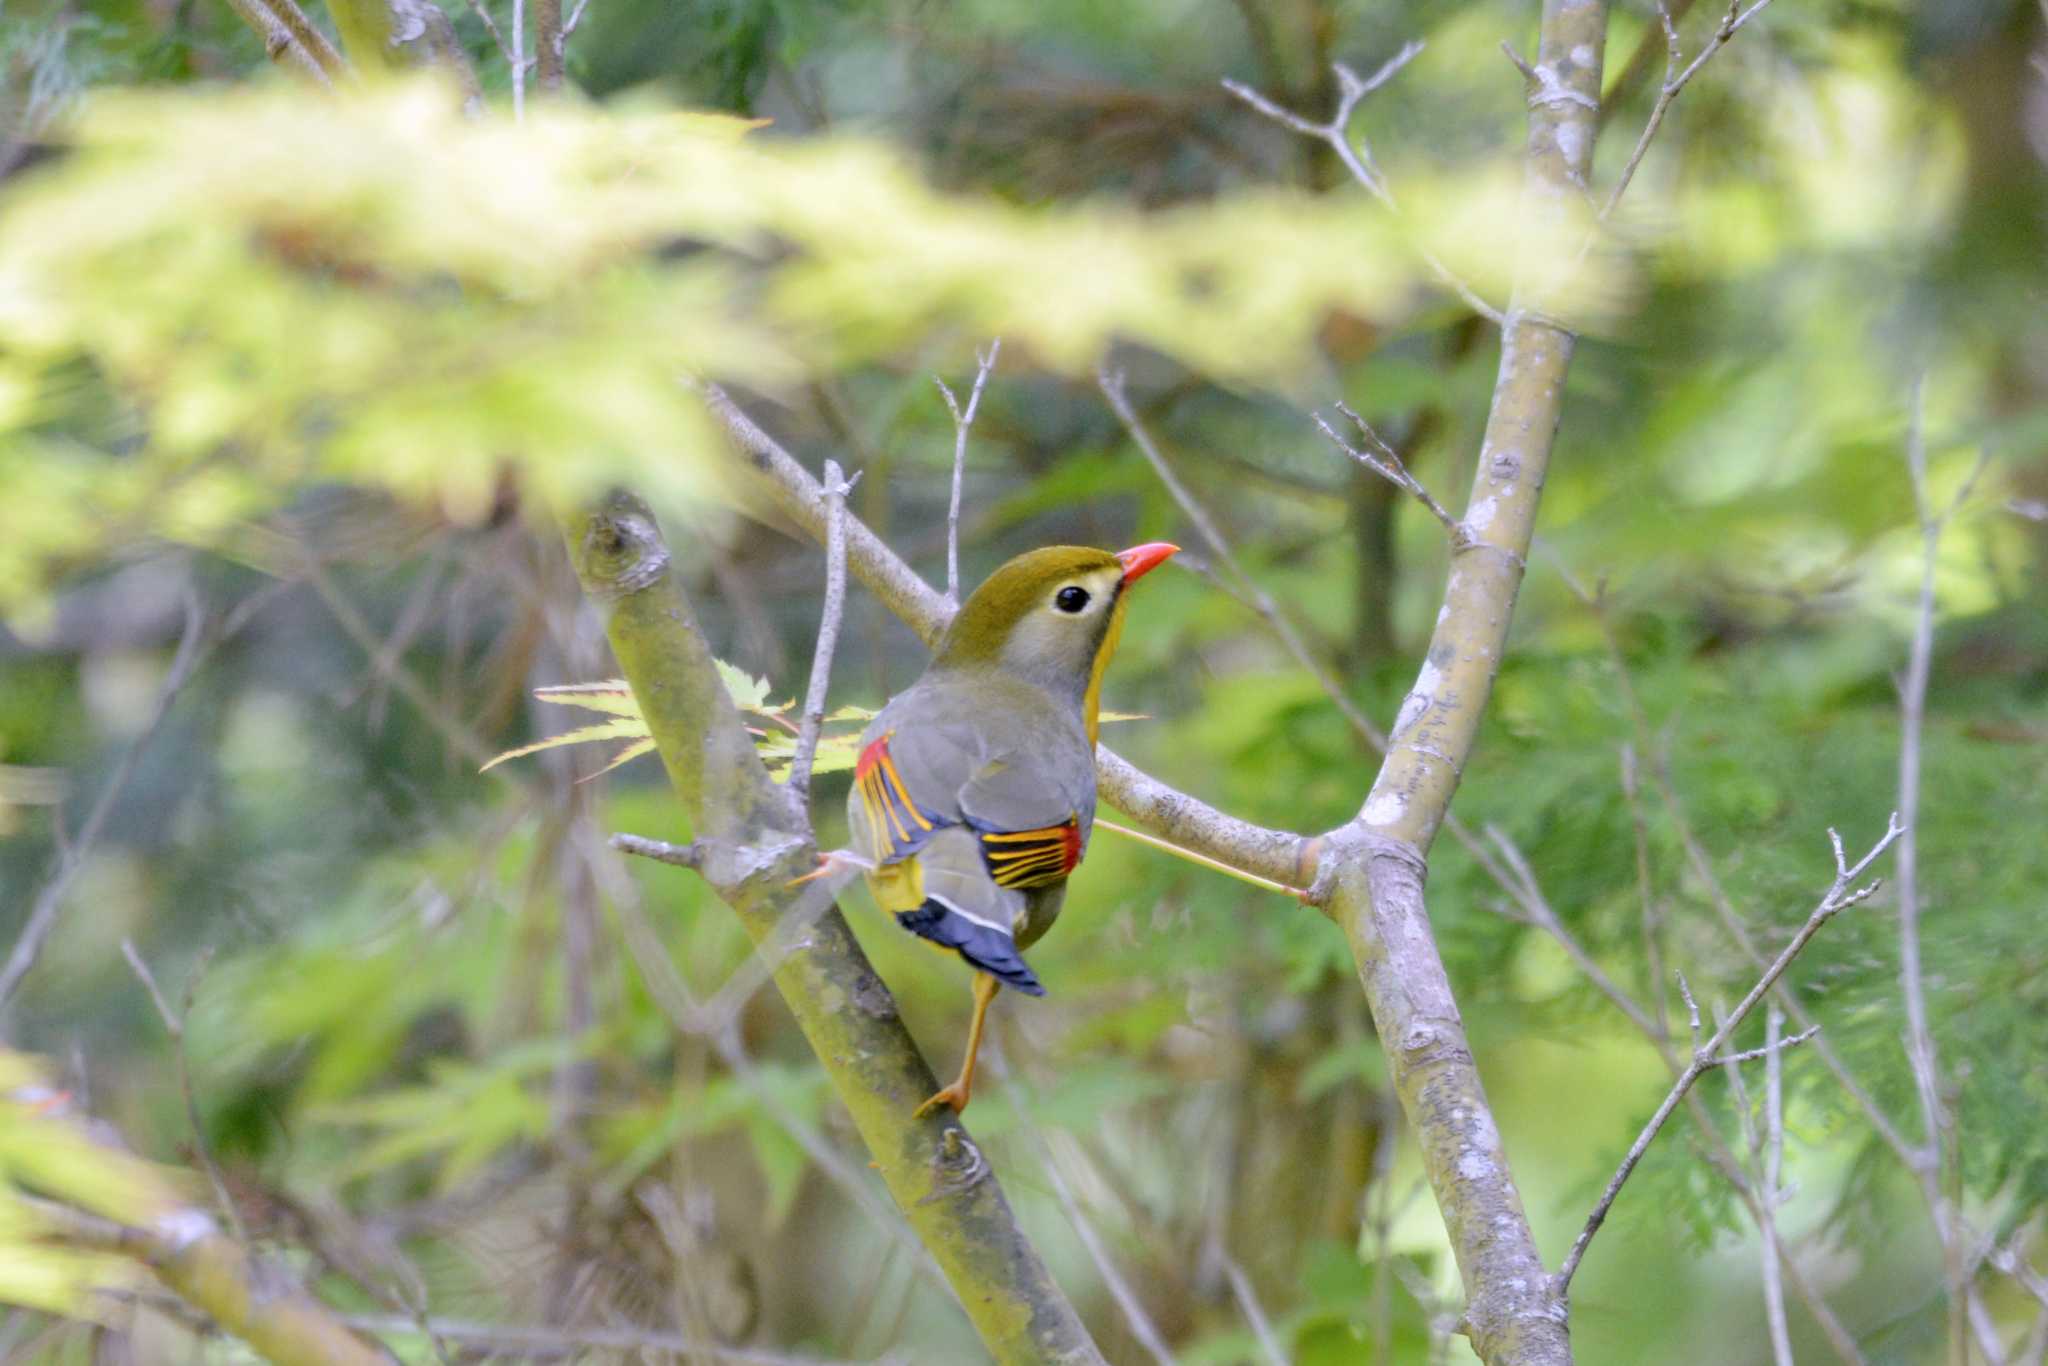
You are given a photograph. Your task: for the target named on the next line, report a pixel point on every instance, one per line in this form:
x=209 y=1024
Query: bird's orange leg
x=985 y=989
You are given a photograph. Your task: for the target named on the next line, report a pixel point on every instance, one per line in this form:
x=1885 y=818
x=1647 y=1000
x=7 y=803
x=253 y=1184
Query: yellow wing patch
x=1031 y=858
x=896 y=825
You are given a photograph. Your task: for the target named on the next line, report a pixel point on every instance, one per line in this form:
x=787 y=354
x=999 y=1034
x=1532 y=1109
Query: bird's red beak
x=1140 y=560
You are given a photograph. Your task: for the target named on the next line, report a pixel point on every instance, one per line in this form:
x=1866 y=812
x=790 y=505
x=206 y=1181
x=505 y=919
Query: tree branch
x=754 y=846
x=1358 y=160
x=258 y=1302
x=1277 y=855
x=1675 y=80
x=1376 y=864
x=49 y=902
x=1260 y=601
x=280 y=43
x=1386 y=462
x=962 y=422
x=319 y=52
x=1841 y=894
x=1937 y=1125
x=836 y=489
x=549 y=37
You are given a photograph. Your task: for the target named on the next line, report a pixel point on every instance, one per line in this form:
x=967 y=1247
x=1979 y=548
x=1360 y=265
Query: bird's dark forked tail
x=983 y=946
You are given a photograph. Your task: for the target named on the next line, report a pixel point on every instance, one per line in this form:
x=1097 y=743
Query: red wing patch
x=1031 y=858
x=897 y=826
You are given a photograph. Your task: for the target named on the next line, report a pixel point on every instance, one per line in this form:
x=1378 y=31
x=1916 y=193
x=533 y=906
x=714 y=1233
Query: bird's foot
x=833 y=861
x=954 y=1095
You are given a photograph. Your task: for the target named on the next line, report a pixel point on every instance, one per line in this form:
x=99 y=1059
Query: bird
x=974 y=789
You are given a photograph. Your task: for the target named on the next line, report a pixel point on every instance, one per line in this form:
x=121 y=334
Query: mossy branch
x=256 y=1301
x=754 y=840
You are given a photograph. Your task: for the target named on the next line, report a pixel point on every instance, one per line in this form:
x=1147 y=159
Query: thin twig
x=1358 y=160
x=42 y=916
x=174 y=1025
x=673 y=996
x=800 y=762
x=1674 y=81
x=353 y=624
x=576 y=1343
x=1653 y=921
x=1841 y=894
x=1703 y=868
x=1181 y=851
x=575 y=18
x=1247 y=1298
x=1937 y=1125
x=1387 y=464
x=1261 y=602
x=963 y=420
x=519 y=60
x=1135 y=1317
x=661 y=851
x=1773 y=1174
x=478 y=8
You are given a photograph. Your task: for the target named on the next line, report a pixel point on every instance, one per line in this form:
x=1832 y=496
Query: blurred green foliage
x=296 y=355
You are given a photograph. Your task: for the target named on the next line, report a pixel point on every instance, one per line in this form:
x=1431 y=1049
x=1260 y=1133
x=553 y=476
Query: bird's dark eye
x=1070 y=599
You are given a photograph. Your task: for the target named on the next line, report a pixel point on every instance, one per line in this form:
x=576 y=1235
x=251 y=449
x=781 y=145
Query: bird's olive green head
x=1050 y=617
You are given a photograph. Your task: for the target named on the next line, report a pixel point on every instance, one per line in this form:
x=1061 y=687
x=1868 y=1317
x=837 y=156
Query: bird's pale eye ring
x=1070 y=599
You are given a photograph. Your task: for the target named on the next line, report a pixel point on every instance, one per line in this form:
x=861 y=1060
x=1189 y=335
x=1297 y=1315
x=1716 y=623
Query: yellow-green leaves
x=613 y=698
x=215 y=297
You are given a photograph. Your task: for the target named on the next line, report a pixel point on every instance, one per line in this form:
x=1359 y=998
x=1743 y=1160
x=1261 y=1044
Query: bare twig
x=494 y=1341
x=1188 y=855
x=575 y=18
x=1674 y=81
x=1260 y=601
x=1717 y=896
x=1521 y=63
x=836 y=489
x=1358 y=159
x=1937 y=1125
x=519 y=62
x=1653 y=920
x=49 y=902
x=1386 y=462
x=690 y=855
x=174 y=1025
x=1127 y=1301
x=482 y=11
x=963 y=420
x=1773 y=1173
x=1841 y=894
x=1247 y=1298
x=452 y=728
x=691 y=1018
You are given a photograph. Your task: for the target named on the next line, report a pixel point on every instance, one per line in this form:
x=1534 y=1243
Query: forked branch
x=1842 y=893
x=963 y=422
x=1357 y=157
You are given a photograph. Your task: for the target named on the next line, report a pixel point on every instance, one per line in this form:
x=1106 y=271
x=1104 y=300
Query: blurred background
x=429 y=1026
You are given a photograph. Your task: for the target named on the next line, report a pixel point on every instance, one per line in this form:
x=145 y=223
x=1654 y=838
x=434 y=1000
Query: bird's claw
x=954 y=1095
x=833 y=861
